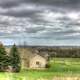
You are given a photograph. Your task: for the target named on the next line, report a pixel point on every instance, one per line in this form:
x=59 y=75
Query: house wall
x=37 y=62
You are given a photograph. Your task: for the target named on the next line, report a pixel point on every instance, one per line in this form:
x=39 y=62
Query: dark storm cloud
x=54 y=5
x=20 y=13
x=8 y=3
x=65 y=3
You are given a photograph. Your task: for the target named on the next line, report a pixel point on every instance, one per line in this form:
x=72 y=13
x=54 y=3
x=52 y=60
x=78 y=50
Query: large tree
x=15 y=59
x=3 y=58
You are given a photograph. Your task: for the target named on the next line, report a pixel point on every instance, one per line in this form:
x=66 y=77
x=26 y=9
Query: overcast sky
x=40 y=22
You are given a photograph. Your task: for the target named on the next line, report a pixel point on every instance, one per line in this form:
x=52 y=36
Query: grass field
x=60 y=69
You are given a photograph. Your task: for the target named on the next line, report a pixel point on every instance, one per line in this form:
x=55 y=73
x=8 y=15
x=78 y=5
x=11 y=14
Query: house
x=31 y=58
x=37 y=61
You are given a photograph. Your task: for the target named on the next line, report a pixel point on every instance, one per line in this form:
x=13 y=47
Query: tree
x=3 y=58
x=15 y=59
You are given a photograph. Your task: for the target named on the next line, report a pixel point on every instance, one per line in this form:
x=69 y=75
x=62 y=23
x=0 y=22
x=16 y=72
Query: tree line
x=9 y=61
x=61 y=52
x=69 y=53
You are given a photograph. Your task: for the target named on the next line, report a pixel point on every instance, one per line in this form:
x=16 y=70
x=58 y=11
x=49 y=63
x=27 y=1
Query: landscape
x=28 y=63
x=39 y=39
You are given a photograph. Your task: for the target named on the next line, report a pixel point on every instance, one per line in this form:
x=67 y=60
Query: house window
x=37 y=62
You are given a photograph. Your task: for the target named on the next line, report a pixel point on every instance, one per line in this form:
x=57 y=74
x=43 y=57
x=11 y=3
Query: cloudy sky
x=40 y=22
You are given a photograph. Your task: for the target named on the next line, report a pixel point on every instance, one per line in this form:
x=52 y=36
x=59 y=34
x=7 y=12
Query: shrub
x=47 y=65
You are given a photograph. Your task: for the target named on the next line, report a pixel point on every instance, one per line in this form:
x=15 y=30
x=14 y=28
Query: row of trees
x=70 y=53
x=9 y=61
x=62 y=52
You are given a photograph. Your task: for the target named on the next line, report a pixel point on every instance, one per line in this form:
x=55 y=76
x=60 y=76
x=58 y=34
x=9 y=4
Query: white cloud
x=73 y=34
x=73 y=15
x=50 y=16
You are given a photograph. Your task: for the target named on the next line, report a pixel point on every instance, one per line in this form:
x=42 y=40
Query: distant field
x=71 y=65
x=61 y=69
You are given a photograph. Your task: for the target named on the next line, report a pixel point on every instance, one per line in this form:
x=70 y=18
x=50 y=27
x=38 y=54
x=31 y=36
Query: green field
x=59 y=67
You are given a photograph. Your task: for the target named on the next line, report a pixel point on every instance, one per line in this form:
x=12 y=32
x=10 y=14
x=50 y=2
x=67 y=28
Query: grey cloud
x=34 y=29
x=9 y=3
x=19 y=13
x=8 y=6
x=62 y=3
x=60 y=33
x=29 y=10
x=59 y=3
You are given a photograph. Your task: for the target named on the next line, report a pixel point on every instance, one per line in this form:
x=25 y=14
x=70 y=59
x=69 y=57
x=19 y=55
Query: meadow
x=60 y=69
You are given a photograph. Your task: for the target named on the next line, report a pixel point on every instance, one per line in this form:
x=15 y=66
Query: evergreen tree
x=3 y=58
x=15 y=59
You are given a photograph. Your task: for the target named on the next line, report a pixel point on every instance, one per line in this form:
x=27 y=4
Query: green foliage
x=47 y=65
x=3 y=58
x=72 y=52
x=15 y=59
x=12 y=60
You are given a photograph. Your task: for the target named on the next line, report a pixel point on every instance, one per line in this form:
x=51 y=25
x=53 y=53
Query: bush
x=47 y=65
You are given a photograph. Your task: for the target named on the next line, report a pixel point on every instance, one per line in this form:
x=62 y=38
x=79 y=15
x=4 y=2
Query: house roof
x=36 y=52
